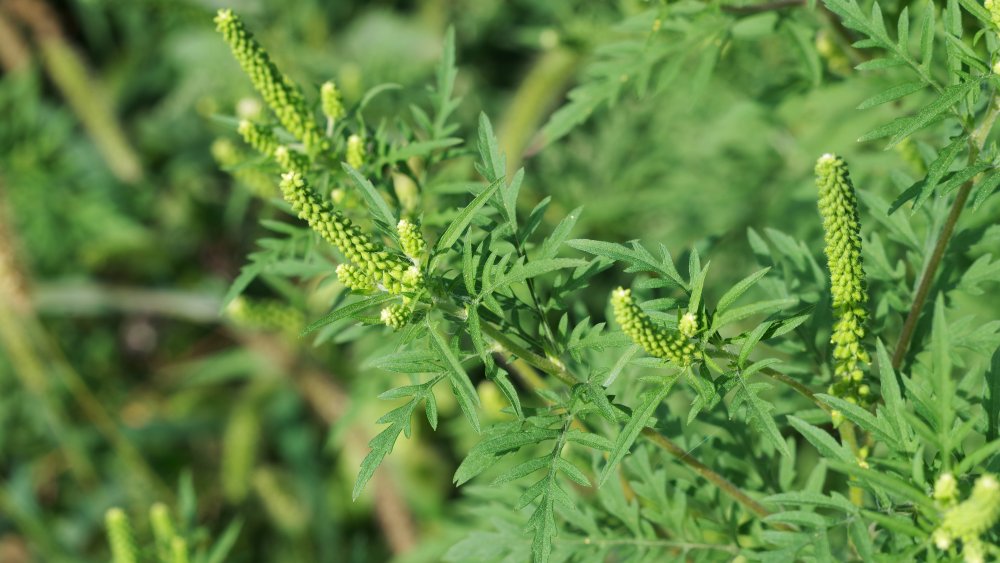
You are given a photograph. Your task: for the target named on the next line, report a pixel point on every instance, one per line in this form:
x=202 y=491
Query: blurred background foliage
x=121 y=383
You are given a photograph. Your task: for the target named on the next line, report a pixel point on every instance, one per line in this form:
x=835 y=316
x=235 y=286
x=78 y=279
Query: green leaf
x=986 y=187
x=419 y=148
x=494 y=166
x=462 y=386
x=937 y=169
x=962 y=176
x=377 y=205
x=734 y=293
x=220 y=550
x=464 y=217
x=638 y=258
x=829 y=447
x=992 y=403
x=349 y=310
x=887 y=481
x=880 y=429
x=627 y=436
x=761 y=308
x=523 y=271
x=978 y=11
x=891 y=394
x=951 y=96
x=892 y=94
x=758 y=411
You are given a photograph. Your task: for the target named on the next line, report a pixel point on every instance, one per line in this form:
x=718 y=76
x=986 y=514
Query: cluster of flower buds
x=410 y=240
x=268 y=315
x=657 y=341
x=372 y=263
x=970 y=519
x=282 y=95
x=838 y=206
x=330 y=103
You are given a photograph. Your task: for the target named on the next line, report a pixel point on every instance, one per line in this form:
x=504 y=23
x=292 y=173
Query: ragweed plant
x=697 y=412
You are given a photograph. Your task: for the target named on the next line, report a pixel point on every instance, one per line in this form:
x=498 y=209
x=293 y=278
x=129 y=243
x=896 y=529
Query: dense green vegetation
x=499 y=281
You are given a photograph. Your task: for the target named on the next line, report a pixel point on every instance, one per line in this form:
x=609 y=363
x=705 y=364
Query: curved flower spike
x=289 y=159
x=396 y=316
x=279 y=92
x=119 y=528
x=353 y=278
x=390 y=272
x=411 y=240
x=355 y=151
x=329 y=97
x=838 y=206
x=676 y=347
x=261 y=138
x=970 y=519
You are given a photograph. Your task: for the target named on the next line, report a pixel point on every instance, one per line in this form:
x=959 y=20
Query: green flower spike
x=281 y=94
x=396 y=316
x=289 y=159
x=265 y=314
x=411 y=240
x=994 y=8
x=123 y=548
x=838 y=206
x=676 y=347
x=329 y=97
x=259 y=137
x=355 y=151
x=353 y=278
x=390 y=272
x=946 y=489
x=970 y=519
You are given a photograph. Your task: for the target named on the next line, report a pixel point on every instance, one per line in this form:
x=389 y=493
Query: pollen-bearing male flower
x=119 y=528
x=993 y=6
x=971 y=519
x=391 y=272
x=838 y=206
x=281 y=94
x=270 y=315
x=396 y=316
x=289 y=159
x=353 y=278
x=656 y=340
x=411 y=240
x=355 y=151
x=261 y=138
x=329 y=98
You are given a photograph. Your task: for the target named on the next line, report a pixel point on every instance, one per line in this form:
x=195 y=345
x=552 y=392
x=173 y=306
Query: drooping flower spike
x=282 y=95
x=389 y=271
x=838 y=206
x=656 y=340
x=261 y=138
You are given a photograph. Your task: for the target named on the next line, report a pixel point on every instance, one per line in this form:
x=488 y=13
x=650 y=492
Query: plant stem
x=976 y=140
x=560 y=372
x=725 y=485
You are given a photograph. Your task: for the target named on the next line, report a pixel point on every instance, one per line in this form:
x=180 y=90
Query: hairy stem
x=977 y=140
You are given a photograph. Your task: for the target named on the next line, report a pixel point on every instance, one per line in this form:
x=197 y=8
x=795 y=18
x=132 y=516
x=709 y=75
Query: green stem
x=559 y=371
x=976 y=140
x=725 y=485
